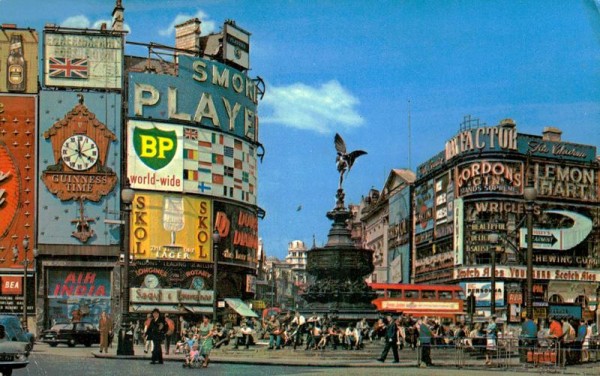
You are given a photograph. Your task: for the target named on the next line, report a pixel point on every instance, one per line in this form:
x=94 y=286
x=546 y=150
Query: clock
x=198 y=283
x=79 y=152
x=151 y=281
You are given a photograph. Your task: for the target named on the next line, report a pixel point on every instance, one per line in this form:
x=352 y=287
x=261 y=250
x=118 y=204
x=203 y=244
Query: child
x=193 y=356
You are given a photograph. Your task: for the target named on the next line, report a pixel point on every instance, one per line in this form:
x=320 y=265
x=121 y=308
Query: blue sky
x=352 y=67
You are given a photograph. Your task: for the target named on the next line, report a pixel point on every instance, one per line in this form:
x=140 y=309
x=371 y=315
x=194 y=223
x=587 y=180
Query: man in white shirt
x=298 y=326
x=352 y=337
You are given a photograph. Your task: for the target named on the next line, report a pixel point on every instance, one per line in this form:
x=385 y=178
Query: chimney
x=508 y=123
x=187 y=35
x=551 y=134
x=118 y=16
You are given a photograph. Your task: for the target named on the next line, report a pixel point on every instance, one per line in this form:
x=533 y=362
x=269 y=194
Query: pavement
x=259 y=354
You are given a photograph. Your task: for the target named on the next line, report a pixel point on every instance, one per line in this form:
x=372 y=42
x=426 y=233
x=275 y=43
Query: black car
x=72 y=334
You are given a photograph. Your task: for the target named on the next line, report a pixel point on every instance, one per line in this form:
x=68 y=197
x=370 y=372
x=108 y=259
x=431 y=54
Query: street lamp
x=530 y=194
x=216 y=237
x=493 y=240
x=25 y=265
x=125 y=346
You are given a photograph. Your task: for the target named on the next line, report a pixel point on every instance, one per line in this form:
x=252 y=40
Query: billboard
x=236 y=46
x=204 y=94
x=169 y=157
x=83 y=59
x=238 y=228
x=171 y=227
x=79 y=159
x=18 y=61
x=489 y=176
x=17 y=173
x=561 y=181
x=536 y=146
x=483 y=292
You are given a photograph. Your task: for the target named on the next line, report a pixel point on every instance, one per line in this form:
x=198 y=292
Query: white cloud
x=321 y=109
x=207 y=25
x=82 y=22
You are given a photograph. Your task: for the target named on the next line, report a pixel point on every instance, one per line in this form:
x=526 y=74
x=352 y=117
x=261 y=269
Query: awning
x=199 y=309
x=240 y=307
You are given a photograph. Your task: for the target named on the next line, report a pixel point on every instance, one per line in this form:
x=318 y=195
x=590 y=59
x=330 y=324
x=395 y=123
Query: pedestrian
x=298 y=324
x=184 y=326
x=147 y=341
x=170 y=330
x=206 y=333
x=156 y=333
x=425 y=338
x=105 y=326
x=491 y=341
x=528 y=337
x=391 y=340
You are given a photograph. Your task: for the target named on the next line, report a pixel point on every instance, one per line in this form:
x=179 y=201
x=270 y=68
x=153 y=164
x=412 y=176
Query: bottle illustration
x=16 y=66
x=173 y=216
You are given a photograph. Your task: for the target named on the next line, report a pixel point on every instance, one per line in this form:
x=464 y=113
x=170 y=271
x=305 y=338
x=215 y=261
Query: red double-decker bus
x=442 y=301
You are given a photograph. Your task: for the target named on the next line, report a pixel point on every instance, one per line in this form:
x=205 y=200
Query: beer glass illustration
x=173 y=219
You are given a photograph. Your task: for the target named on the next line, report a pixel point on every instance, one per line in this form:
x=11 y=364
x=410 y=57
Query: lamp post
x=25 y=265
x=493 y=239
x=125 y=346
x=216 y=237
x=530 y=194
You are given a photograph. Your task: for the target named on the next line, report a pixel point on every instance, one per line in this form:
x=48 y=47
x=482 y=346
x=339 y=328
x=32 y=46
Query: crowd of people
x=570 y=338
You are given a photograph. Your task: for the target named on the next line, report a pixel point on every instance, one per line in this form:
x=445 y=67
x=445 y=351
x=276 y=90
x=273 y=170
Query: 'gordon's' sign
x=205 y=93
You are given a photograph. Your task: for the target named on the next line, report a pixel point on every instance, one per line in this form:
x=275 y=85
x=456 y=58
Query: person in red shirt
x=556 y=331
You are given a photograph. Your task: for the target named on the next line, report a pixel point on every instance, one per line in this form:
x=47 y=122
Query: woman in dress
x=206 y=332
x=491 y=340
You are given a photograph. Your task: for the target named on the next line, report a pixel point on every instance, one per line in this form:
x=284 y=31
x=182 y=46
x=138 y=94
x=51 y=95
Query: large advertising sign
x=11 y=294
x=236 y=45
x=482 y=139
x=79 y=161
x=489 y=176
x=171 y=227
x=535 y=146
x=520 y=272
x=78 y=292
x=85 y=59
x=424 y=206
x=238 y=228
x=18 y=61
x=444 y=205
x=483 y=293
x=17 y=174
x=168 y=157
x=562 y=181
x=204 y=94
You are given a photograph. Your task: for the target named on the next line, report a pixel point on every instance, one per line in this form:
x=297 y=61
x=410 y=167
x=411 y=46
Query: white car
x=13 y=355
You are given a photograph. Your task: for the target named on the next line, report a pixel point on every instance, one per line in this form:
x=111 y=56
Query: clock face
x=198 y=283
x=151 y=281
x=79 y=152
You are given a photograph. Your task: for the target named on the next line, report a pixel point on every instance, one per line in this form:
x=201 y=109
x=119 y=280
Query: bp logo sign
x=155 y=147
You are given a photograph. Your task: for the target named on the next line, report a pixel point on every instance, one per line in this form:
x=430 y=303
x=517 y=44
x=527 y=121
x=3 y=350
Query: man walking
x=170 y=330
x=391 y=340
x=425 y=336
x=156 y=333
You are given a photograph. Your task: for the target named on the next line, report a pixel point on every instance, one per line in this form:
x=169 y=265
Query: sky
x=363 y=69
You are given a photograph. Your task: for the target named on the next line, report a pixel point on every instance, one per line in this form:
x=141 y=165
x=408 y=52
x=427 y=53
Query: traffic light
x=471 y=304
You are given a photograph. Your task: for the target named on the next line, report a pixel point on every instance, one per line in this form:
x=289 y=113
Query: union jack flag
x=64 y=67
x=190 y=134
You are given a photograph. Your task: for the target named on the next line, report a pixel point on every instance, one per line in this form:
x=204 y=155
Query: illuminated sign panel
x=489 y=176
x=17 y=173
x=424 y=218
x=18 y=61
x=205 y=94
x=561 y=181
x=483 y=139
x=171 y=227
x=483 y=293
x=537 y=147
x=83 y=60
x=238 y=228
x=236 y=46
x=70 y=123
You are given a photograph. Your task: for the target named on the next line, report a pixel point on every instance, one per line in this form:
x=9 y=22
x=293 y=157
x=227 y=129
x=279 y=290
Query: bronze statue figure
x=344 y=160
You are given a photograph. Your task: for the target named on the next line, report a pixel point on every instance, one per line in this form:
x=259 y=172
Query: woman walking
x=491 y=341
x=206 y=332
x=105 y=326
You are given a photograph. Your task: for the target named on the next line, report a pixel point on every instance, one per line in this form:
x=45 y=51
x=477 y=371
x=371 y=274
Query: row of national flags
x=219 y=165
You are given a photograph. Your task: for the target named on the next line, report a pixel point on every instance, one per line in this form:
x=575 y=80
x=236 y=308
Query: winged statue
x=344 y=160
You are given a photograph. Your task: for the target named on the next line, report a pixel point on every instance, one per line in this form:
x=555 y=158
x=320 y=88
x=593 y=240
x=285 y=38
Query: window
x=446 y=295
x=582 y=301
x=428 y=294
x=555 y=299
x=411 y=294
x=395 y=293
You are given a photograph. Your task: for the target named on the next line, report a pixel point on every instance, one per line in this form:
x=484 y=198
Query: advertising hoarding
x=78 y=192
x=17 y=173
x=238 y=228
x=18 y=61
x=535 y=146
x=78 y=291
x=489 y=176
x=424 y=218
x=171 y=227
x=483 y=293
x=204 y=94
x=83 y=59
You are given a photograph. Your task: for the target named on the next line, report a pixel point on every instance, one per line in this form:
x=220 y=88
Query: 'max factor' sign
x=205 y=93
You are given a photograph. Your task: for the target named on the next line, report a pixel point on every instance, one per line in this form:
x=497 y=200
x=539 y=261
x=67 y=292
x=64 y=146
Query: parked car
x=13 y=354
x=15 y=332
x=71 y=334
